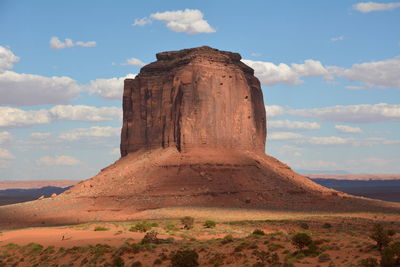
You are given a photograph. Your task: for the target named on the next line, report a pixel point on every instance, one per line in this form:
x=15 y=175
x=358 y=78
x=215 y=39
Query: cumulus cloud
x=39 y=135
x=5 y=154
x=29 y=89
x=189 y=21
x=7 y=59
x=92 y=132
x=274 y=111
x=378 y=73
x=366 y=113
x=61 y=160
x=14 y=117
x=109 y=88
x=271 y=74
x=366 y=7
x=56 y=43
x=132 y=62
x=284 y=136
x=348 y=129
x=293 y=125
x=141 y=21
x=5 y=137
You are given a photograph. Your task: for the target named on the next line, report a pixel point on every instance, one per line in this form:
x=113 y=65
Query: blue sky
x=330 y=73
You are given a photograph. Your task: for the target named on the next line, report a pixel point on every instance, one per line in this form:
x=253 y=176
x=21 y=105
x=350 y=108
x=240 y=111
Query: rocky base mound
x=168 y=178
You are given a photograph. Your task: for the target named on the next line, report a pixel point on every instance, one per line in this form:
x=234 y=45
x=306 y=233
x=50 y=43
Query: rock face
x=194 y=98
x=193 y=134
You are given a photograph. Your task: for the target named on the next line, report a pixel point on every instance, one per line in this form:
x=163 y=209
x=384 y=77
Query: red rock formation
x=194 y=98
x=193 y=135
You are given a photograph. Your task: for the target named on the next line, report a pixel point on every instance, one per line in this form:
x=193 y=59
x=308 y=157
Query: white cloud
x=109 y=88
x=40 y=136
x=367 y=113
x=366 y=7
x=381 y=74
x=5 y=136
x=5 y=154
x=293 y=125
x=338 y=38
x=189 y=21
x=326 y=140
x=56 y=43
x=132 y=62
x=58 y=161
x=273 y=111
x=348 y=129
x=14 y=117
x=284 y=136
x=92 y=132
x=7 y=59
x=271 y=74
x=29 y=89
x=141 y=21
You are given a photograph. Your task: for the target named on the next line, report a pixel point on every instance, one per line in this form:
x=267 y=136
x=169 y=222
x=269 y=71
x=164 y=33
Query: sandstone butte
x=193 y=134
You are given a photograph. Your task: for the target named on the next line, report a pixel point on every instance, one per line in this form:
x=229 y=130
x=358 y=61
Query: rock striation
x=193 y=134
x=194 y=98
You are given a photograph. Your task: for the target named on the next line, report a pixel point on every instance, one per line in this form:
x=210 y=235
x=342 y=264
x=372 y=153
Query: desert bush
x=118 y=262
x=390 y=256
x=391 y=232
x=258 y=232
x=136 y=264
x=157 y=262
x=142 y=227
x=301 y=240
x=187 y=222
x=150 y=238
x=227 y=239
x=170 y=226
x=304 y=225
x=274 y=247
x=185 y=258
x=101 y=228
x=217 y=259
x=209 y=224
x=380 y=236
x=369 y=262
x=327 y=226
x=324 y=257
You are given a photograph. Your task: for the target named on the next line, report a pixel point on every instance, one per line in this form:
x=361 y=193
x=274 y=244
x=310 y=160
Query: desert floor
x=338 y=240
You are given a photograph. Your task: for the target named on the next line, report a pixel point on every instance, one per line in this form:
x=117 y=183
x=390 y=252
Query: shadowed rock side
x=193 y=135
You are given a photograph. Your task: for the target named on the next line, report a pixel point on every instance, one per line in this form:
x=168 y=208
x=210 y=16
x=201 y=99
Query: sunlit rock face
x=194 y=98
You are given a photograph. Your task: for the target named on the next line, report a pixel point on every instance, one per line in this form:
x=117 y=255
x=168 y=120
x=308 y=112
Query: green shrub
x=380 y=236
x=324 y=257
x=185 y=258
x=258 y=232
x=327 y=225
x=209 y=224
x=304 y=225
x=301 y=240
x=157 y=262
x=136 y=264
x=187 y=222
x=390 y=256
x=227 y=239
x=101 y=228
x=118 y=262
x=369 y=262
x=391 y=232
x=170 y=226
x=142 y=227
x=150 y=238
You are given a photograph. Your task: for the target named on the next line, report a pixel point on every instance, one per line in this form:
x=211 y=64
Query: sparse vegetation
x=209 y=224
x=301 y=240
x=185 y=258
x=304 y=225
x=327 y=226
x=258 y=232
x=188 y=222
x=101 y=228
x=142 y=227
x=380 y=236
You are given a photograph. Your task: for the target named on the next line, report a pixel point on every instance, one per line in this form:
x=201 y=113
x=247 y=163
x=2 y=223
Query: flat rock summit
x=193 y=134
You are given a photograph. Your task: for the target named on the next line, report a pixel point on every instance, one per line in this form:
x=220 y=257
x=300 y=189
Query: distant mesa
x=193 y=134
